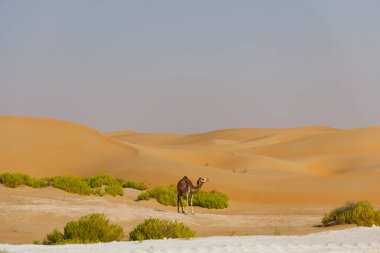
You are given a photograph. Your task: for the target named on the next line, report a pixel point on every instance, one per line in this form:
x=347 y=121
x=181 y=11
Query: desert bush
x=14 y=179
x=277 y=231
x=134 y=185
x=92 y=228
x=88 y=229
x=211 y=200
x=361 y=213
x=99 y=192
x=99 y=180
x=160 y=229
x=164 y=195
x=18 y=179
x=73 y=184
x=54 y=237
x=99 y=185
x=112 y=185
x=114 y=189
x=168 y=196
x=39 y=183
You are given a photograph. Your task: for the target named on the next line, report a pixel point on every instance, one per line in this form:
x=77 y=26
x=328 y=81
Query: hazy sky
x=192 y=66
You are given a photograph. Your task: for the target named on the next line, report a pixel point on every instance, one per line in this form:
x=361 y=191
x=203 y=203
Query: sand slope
x=42 y=147
x=296 y=165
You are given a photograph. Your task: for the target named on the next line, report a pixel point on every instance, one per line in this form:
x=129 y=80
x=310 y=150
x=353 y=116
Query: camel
x=186 y=188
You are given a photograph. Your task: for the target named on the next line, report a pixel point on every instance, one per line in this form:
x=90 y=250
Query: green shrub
x=88 y=229
x=112 y=185
x=18 y=179
x=361 y=213
x=168 y=196
x=100 y=179
x=55 y=237
x=99 y=185
x=134 y=185
x=211 y=200
x=38 y=183
x=277 y=231
x=160 y=229
x=92 y=228
x=164 y=195
x=99 y=192
x=14 y=179
x=73 y=184
x=114 y=189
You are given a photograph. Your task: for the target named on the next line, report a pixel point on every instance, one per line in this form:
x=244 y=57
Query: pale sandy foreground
x=349 y=240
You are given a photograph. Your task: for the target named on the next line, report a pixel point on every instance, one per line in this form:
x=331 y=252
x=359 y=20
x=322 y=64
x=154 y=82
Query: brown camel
x=186 y=188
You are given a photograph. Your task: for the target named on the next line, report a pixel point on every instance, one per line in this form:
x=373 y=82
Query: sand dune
x=296 y=165
x=250 y=134
x=42 y=147
x=365 y=140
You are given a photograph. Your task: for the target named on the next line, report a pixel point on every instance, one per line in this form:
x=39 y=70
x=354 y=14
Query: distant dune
x=42 y=147
x=296 y=165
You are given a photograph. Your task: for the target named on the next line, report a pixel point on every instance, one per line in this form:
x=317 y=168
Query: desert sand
x=344 y=241
x=276 y=178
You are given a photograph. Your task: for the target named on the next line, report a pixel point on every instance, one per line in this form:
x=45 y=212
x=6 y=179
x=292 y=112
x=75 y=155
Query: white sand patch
x=350 y=240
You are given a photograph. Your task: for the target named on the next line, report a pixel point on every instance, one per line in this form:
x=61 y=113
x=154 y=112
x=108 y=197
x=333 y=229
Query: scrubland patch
x=361 y=213
x=91 y=228
x=160 y=229
x=100 y=184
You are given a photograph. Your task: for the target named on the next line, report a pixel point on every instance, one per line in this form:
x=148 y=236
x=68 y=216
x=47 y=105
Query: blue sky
x=191 y=66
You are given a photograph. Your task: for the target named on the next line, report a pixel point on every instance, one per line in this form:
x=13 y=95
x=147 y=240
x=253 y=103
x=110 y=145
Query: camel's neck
x=195 y=189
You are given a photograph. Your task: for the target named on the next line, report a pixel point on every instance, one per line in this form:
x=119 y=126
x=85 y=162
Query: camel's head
x=202 y=180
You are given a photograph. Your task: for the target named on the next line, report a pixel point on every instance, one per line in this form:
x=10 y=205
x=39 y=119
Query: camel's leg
x=178 y=200
x=187 y=202
x=192 y=211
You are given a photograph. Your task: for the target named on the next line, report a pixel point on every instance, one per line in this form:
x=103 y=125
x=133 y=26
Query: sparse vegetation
x=73 y=184
x=3 y=251
x=88 y=229
x=277 y=231
x=164 y=195
x=53 y=238
x=211 y=200
x=168 y=196
x=240 y=171
x=160 y=229
x=114 y=189
x=135 y=185
x=361 y=213
x=101 y=184
x=12 y=180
